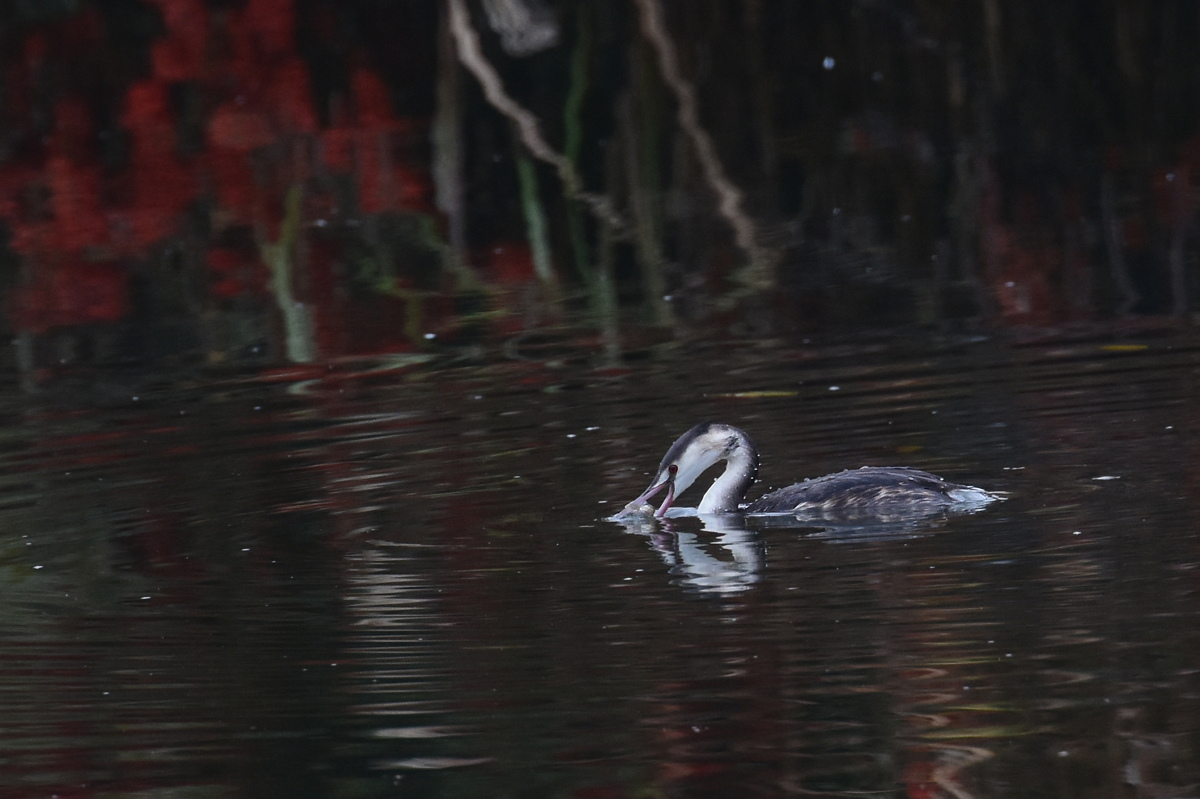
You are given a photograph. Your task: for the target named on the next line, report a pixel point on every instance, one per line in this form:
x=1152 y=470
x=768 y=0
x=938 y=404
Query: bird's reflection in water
x=843 y=530
x=698 y=562
x=701 y=565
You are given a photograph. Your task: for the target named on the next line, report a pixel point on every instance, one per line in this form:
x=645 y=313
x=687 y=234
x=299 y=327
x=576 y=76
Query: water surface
x=396 y=580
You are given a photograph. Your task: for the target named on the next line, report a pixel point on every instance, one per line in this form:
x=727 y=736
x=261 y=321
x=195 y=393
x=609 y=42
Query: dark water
x=396 y=582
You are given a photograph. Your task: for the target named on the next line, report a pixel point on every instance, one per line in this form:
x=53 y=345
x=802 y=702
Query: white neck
x=728 y=490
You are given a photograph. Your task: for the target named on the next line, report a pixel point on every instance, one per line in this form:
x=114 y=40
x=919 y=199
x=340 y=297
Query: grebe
x=872 y=491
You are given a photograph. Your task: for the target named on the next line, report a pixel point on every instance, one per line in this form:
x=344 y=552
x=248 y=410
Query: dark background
x=901 y=163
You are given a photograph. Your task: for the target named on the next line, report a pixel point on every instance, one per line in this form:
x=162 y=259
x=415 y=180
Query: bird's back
x=872 y=491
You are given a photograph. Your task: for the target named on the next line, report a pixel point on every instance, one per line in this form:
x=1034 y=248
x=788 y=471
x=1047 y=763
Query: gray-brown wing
x=869 y=491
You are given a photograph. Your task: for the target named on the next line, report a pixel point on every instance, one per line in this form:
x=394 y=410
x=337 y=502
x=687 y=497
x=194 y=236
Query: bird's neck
x=731 y=486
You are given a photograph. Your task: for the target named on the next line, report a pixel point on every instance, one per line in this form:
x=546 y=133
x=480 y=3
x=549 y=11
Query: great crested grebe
x=881 y=491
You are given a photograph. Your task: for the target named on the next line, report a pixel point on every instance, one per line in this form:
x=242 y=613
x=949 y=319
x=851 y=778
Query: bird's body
x=869 y=492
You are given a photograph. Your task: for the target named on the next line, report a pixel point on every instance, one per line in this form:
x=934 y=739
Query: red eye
x=672 y=469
